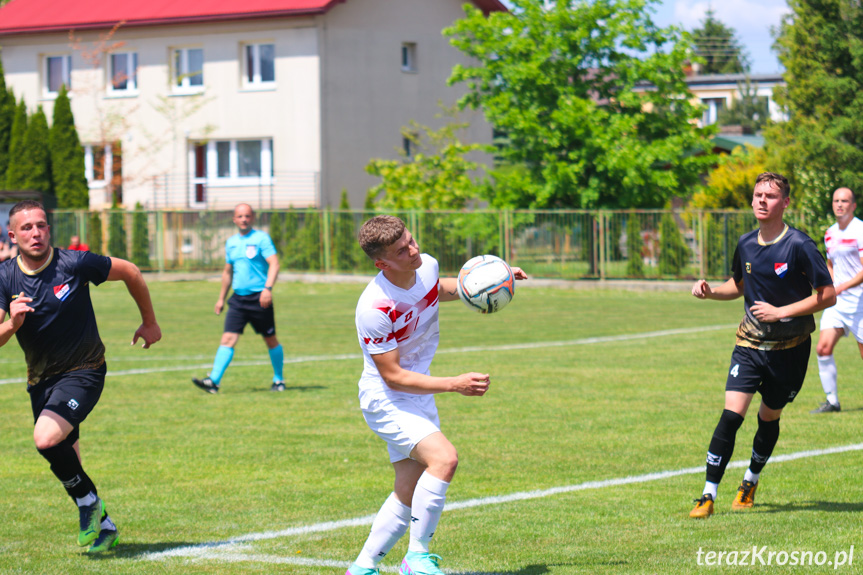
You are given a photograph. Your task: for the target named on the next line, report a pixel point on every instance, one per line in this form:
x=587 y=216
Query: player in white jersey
x=844 y=241
x=397 y=326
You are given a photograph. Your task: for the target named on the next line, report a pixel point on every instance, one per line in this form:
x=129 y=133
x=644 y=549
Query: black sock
x=763 y=444
x=67 y=468
x=722 y=445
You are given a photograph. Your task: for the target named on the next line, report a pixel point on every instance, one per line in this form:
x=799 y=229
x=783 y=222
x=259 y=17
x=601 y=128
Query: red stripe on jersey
x=406 y=317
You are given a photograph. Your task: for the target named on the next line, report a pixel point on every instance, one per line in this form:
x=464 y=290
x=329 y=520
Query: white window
x=233 y=162
x=58 y=71
x=188 y=69
x=259 y=65
x=711 y=114
x=409 y=57
x=123 y=68
x=103 y=168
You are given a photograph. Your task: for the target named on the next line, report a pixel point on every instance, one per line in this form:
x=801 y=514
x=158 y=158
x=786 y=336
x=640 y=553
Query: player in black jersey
x=775 y=269
x=45 y=293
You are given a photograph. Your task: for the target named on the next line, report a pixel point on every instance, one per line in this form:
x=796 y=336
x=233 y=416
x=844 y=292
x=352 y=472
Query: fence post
x=702 y=242
x=160 y=243
x=326 y=234
x=603 y=252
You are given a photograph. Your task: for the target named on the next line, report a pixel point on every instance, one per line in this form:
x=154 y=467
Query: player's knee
x=45 y=441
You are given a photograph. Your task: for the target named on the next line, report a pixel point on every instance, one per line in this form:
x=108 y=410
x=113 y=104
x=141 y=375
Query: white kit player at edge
x=398 y=331
x=844 y=242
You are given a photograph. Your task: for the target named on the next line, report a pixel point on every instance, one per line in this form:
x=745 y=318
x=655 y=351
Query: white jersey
x=389 y=318
x=845 y=248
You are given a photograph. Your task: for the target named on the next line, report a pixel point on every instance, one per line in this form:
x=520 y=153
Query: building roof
x=40 y=16
x=727 y=142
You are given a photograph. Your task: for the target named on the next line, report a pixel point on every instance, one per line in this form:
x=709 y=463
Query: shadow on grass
x=536 y=569
x=832 y=506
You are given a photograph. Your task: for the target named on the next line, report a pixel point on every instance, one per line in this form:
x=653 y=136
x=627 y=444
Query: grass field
x=584 y=457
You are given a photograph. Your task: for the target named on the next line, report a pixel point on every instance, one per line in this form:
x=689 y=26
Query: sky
x=751 y=19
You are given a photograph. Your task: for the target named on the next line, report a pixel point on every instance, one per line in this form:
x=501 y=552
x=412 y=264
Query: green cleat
x=90 y=522
x=416 y=563
x=107 y=539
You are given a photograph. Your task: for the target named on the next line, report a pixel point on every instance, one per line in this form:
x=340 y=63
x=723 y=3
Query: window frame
x=232 y=177
x=250 y=56
x=66 y=73
x=181 y=77
x=131 y=74
x=409 y=57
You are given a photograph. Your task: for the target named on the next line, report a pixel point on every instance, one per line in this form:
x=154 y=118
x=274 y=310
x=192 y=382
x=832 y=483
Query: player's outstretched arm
x=400 y=379
x=128 y=273
x=823 y=298
x=727 y=291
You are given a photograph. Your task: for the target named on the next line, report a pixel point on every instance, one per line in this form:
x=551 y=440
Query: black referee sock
x=763 y=444
x=722 y=445
x=67 y=468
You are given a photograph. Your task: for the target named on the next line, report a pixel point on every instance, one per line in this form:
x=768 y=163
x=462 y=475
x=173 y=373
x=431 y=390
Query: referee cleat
x=107 y=539
x=416 y=563
x=827 y=407
x=90 y=522
x=206 y=384
x=278 y=386
x=703 y=507
x=355 y=569
x=745 y=497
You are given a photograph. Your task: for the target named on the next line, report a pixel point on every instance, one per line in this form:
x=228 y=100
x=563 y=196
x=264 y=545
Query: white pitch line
x=351 y=356
x=228 y=549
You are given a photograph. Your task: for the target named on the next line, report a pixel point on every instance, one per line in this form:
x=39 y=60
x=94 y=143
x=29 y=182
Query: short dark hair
x=379 y=233
x=777 y=180
x=25 y=205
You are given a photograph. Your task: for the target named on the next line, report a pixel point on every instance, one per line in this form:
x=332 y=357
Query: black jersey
x=780 y=273
x=60 y=335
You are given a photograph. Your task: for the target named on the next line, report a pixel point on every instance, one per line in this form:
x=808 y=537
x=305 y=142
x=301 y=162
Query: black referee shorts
x=71 y=395
x=776 y=375
x=243 y=309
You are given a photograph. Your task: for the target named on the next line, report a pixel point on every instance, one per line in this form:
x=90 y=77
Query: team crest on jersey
x=251 y=251
x=61 y=292
x=748 y=268
x=780 y=269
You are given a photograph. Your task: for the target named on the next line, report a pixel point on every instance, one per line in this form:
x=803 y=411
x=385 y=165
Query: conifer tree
x=67 y=157
x=16 y=171
x=7 y=113
x=37 y=153
x=140 y=237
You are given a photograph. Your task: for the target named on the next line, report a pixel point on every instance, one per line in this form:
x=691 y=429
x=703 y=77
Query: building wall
x=155 y=127
x=367 y=98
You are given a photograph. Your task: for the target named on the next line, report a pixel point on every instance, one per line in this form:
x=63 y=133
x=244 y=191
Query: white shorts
x=402 y=422
x=831 y=318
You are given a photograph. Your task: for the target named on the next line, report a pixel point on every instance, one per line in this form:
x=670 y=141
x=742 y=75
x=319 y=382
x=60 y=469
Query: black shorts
x=243 y=309
x=776 y=375
x=71 y=395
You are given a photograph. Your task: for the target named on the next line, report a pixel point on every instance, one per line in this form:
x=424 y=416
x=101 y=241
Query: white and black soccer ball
x=486 y=284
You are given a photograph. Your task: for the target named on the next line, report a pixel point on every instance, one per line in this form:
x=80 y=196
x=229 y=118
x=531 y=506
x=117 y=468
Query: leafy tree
x=16 y=171
x=437 y=175
x=820 y=147
x=717 y=45
x=7 y=114
x=565 y=81
x=634 y=244
x=750 y=111
x=730 y=184
x=37 y=154
x=140 y=237
x=67 y=157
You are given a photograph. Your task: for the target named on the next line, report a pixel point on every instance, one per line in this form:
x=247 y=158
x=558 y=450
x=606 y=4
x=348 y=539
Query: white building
x=276 y=102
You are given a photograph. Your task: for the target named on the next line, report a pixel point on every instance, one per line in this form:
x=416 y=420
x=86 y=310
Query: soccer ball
x=486 y=284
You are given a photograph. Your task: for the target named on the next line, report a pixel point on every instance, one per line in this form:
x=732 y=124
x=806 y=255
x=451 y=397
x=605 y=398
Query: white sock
x=710 y=489
x=389 y=525
x=827 y=371
x=749 y=476
x=88 y=499
x=426 y=509
x=108 y=525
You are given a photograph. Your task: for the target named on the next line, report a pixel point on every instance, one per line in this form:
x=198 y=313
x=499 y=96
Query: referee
x=251 y=269
x=46 y=294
